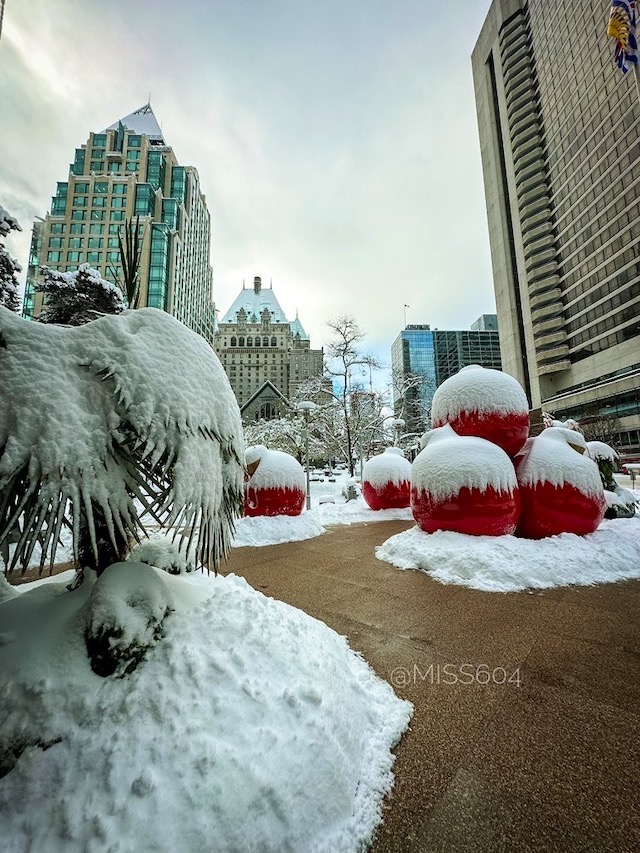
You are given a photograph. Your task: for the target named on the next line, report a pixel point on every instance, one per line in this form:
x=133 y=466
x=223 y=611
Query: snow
x=509 y=564
x=600 y=450
x=449 y=462
x=7 y=222
x=74 y=398
x=478 y=389
x=388 y=467
x=277 y=469
x=249 y=726
x=551 y=458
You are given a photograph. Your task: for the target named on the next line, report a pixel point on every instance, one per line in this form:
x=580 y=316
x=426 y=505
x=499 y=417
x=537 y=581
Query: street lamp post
x=397 y=423
x=306 y=407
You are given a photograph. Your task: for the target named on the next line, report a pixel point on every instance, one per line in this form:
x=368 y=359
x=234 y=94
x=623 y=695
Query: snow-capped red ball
x=386 y=480
x=465 y=484
x=276 y=483
x=486 y=403
x=560 y=486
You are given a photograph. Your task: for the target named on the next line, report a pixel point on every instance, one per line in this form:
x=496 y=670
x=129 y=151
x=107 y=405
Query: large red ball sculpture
x=486 y=403
x=560 y=489
x=276 y=484
x=386 y=480
x=464 y=484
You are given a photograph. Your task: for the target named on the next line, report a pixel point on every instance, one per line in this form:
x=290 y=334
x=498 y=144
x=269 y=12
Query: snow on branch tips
x=103 y=423
x=74 y=298
x=9 y=267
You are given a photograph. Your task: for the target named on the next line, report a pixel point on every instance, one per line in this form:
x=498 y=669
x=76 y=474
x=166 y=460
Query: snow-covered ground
x=250 y=726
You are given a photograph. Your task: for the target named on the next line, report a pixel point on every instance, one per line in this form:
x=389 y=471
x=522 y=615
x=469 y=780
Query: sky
x=336 y=142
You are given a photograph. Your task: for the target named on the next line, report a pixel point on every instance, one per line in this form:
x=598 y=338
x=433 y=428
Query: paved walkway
x=551 y=765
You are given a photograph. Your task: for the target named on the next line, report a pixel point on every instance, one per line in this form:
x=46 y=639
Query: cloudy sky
x=336 y=142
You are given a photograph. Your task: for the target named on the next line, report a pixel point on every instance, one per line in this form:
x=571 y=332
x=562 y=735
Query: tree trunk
x=107 y=552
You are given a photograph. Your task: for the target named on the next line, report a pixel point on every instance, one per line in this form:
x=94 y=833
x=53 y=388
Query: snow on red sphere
x=386 y=480
x=276 y=483
x=486 y=403
x=464 y=484
x=560 y=486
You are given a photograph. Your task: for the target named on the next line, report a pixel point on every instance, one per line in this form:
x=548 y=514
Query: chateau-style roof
x=254 y=300
x=142 y=120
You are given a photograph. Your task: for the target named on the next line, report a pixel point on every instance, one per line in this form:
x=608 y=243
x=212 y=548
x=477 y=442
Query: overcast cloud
x=336 y=142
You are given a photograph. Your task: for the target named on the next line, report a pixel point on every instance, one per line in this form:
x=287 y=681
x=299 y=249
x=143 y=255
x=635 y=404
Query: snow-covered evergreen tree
x=75 y=298
x=9 y=267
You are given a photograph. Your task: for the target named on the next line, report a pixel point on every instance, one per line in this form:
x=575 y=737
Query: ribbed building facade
x=125 y=172
x=423 y=358
x=561 y=162
x=265 y=355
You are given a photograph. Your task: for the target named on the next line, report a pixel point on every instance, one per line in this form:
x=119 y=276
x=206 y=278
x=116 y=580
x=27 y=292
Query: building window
x=265 y=342
x=100 y=140
x=233 y=342
x=97 y=214
x=96 y=166
x=78 y=215
x=240 y=342
x=116 y=201
x=54 y=257
x=134 y=141
x=100 y=187
x=113 y=243
x=113 y=256
x=249 y=341
x=115 y=166
x=73 y=257
x=94 y=257
x=116 y=215
x=95 y=242
x=80 y=201
x=55 y=242
x=119 y=189
x=75 y=242
x=81 y=188
x=99 y=201
x=95 y=228
x=274 y=342
x=58 y=227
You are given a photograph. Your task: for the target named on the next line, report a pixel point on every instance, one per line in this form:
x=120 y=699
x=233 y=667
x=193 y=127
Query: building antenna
x=405 y=314
x=1 y=15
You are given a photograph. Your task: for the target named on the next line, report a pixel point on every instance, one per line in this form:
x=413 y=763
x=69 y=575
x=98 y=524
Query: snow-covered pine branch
x=75 y=298
x=9 y=267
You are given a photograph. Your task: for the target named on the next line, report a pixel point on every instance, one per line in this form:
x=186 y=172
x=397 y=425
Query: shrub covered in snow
x=74 y=298
x=9 y=267
x=97 y=421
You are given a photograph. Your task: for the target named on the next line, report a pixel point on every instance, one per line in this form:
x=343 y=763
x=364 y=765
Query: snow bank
x=250 y=726
x=389 y=467
x=449 y=462
x=551 y=458
x=509 y=564
x=477 y=389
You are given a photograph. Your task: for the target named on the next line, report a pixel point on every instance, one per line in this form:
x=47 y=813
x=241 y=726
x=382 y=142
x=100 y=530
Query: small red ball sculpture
x=464 y=484
x=386 y=480
x=276 y=483
x=560 y=489
x=486 y=403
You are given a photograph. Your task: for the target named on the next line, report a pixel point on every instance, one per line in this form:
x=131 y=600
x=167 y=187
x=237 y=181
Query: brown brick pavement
x=552 y=765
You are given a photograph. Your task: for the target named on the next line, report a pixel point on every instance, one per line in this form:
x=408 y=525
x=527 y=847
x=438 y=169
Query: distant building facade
x=265 y=356
x=560 y=157
x=422 y=358
x=128 y=171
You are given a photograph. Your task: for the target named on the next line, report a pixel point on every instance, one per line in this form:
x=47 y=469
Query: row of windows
x=79 y=242
x=74 y=257
x=249 y=341
x=98 y=201
x=80 y=228
x=80 y=215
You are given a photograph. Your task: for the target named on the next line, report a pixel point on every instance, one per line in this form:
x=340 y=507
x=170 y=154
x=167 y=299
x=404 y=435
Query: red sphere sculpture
x=386 y=480
x=276 y=483
x=464 y=484
x=485 y=403
x=560 y=489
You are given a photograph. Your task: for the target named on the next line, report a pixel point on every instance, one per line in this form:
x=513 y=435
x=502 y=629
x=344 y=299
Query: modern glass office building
x=125 y=172
x=561 y=162
x=422 y=358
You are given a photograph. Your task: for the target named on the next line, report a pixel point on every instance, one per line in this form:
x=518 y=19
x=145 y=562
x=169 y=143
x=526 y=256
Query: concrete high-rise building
x=561 y=161
x=422 y=358
x=124 y=172
x=264 y=355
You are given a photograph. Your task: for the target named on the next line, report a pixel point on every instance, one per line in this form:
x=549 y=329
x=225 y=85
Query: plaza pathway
x=550 y=765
